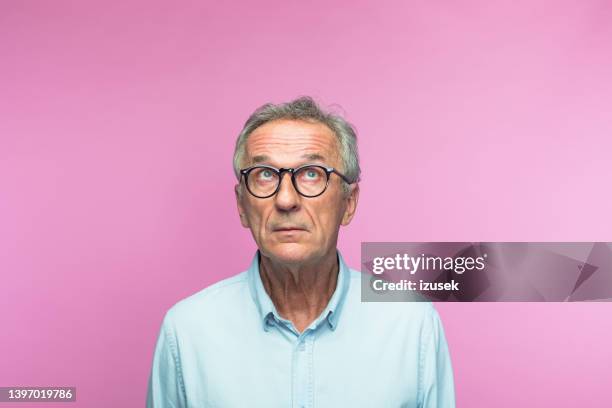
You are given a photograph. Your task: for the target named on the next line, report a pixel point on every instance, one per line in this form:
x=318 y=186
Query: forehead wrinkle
x=262 y=146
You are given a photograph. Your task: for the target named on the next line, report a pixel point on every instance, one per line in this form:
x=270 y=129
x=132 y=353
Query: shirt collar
x=267 y=310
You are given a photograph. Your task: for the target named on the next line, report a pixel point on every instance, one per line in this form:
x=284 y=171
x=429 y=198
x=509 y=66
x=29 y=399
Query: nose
x=287 y=198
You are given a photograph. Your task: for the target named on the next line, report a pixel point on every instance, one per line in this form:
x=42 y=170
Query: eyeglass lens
x=309 y=181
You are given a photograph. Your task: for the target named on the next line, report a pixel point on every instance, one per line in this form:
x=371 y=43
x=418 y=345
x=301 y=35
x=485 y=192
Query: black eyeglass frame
x=279 y=172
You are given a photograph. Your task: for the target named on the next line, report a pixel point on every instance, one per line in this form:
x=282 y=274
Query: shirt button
x=302 y=346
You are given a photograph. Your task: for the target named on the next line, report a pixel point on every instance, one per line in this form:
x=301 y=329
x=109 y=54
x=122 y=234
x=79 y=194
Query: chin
x=290 y=253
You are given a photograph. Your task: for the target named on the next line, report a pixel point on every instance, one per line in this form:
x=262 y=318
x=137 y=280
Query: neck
x=300 y=293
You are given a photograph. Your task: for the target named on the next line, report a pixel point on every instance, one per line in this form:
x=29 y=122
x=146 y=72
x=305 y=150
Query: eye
x=263 y=175
x=311 y=174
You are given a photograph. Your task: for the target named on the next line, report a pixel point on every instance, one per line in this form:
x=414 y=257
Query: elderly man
x=291 y=331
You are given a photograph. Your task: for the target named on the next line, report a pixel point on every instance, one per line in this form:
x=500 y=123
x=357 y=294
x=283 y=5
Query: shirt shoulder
x=221 y=296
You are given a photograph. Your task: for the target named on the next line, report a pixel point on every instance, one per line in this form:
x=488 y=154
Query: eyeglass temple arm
x=342 y=176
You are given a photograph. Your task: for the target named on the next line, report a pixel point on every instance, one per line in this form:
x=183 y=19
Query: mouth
x=288 y=229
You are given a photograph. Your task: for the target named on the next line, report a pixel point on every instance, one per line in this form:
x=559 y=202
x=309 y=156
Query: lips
x=287 y=228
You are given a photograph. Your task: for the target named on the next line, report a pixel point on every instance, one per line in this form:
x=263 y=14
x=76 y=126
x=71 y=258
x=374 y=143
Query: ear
x=241 y=212
x=351 y=205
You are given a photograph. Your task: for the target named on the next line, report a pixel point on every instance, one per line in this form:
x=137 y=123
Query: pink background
x=478 y=121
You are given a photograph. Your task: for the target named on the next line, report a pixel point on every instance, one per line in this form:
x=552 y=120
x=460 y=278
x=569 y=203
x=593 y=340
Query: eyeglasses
x=310 y=180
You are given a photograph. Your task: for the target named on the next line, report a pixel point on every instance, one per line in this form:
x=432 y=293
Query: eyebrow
x=309 y=156
x=313 y=156
x=260 y=158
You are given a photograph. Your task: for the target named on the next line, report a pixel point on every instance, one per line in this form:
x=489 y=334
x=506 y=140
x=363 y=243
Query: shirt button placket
x=302 y=367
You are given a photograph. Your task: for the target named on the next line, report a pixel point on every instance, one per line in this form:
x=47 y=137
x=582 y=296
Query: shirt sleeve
x=166 y=388
x=437 y=383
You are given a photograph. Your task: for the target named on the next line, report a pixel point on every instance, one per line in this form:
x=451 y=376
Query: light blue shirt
x=227 y=346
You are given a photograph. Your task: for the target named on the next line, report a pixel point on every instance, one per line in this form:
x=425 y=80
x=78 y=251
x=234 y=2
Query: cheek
x=327 y=215
x=260 y=216
x=254 y=215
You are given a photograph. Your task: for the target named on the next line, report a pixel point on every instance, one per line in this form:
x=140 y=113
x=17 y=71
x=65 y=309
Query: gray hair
x=305 y=109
